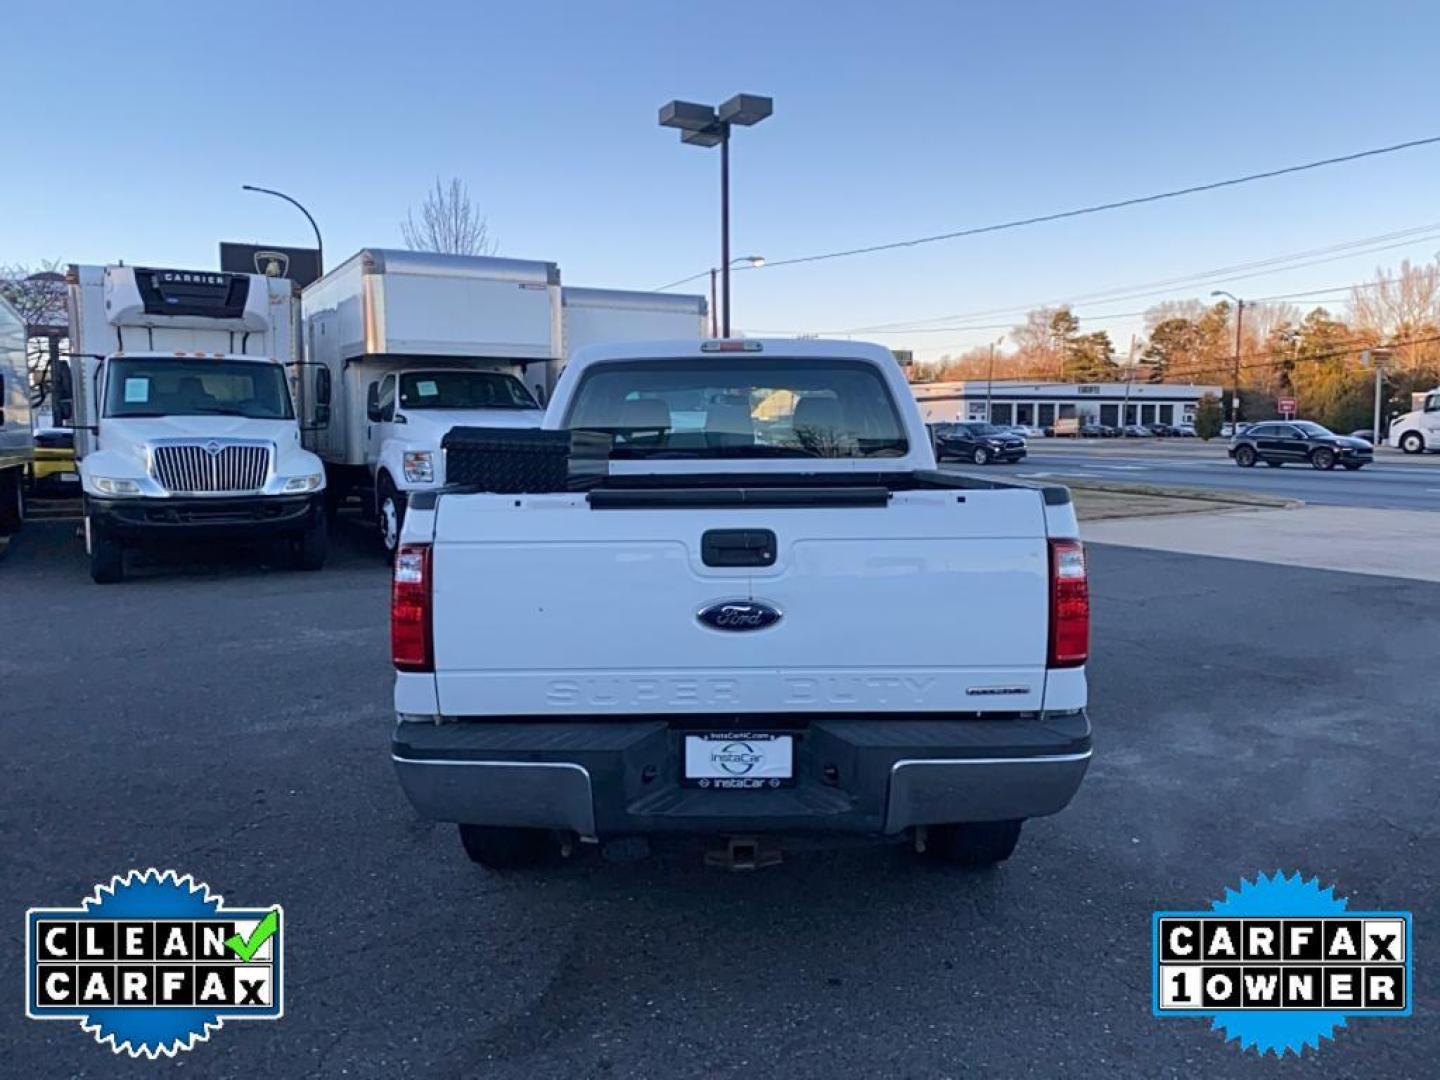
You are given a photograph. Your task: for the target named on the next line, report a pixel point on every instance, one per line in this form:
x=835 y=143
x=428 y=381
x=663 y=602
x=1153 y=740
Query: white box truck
x=611 y=316
x=401 y=346
x=183 y=416
x=17 y=442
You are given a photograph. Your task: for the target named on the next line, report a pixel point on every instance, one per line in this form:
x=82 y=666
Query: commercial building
x=1012 y=401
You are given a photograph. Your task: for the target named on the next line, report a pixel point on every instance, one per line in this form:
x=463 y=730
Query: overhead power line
x=1096 y=208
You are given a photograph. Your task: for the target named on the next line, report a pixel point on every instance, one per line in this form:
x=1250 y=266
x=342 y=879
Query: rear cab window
x=740 y=407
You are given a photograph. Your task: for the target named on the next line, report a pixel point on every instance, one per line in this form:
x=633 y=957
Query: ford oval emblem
x=739 y=615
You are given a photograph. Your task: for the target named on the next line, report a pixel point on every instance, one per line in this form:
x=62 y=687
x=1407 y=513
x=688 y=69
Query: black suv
x=1277 y=442
x=978 y=443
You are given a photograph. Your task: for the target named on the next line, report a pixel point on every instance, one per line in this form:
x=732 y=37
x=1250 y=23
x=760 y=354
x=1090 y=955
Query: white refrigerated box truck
x=184 y=421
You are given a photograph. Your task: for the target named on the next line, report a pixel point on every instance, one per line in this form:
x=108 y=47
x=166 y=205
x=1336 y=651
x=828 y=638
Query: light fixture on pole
x=319 y=244
x=750 y=260
x=706 y=125
x=1235 y=383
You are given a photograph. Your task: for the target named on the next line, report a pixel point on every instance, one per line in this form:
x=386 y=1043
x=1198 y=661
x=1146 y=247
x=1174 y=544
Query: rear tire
x=107 y=555
x=1323 y=459
x=506 y=848
x=979 y=843
x=1245 y=456
x=12 y=501
x=1412 y=442
x=308 y=550
x=980 y=456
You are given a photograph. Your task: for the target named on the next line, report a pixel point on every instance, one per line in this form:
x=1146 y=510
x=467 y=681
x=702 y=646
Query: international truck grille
x=210 y=468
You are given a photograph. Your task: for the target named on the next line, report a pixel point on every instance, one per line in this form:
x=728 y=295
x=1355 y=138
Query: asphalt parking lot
x=232 y=721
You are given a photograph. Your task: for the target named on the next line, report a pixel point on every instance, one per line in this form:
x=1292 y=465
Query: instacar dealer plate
x=739 y=759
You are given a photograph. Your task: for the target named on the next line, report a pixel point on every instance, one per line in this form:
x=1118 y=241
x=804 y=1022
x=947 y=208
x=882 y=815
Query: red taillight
x=1069 y=604
x=410 y=640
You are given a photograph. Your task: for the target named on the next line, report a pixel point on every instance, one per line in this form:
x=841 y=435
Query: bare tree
x=1399 y=307
x=448 y=223
x=38 y=294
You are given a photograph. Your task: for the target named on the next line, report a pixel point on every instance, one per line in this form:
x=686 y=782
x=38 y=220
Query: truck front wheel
x=1412 y=442
x=107 y=555
x=977 y=843
x=505 y=848
x=390 y=510
x=310 y=548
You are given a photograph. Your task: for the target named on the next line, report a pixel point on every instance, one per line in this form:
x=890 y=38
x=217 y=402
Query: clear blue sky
x=891 y=120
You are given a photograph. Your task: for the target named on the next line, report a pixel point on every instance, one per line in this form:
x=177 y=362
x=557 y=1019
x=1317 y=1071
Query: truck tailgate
x=936 y=602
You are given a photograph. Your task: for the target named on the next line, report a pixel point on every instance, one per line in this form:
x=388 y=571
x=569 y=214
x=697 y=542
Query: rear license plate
x=739 y=759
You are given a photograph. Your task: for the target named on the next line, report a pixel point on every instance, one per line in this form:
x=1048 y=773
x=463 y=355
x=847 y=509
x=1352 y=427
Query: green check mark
x=244 y=948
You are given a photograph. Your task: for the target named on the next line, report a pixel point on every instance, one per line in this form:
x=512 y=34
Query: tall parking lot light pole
x=706 y=125
x=319 y=244
x=1235 y=393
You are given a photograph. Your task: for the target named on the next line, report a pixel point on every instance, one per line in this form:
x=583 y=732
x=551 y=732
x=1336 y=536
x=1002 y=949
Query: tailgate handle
x=738 y=547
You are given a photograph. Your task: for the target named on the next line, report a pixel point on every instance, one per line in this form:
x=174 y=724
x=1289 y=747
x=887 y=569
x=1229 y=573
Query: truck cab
x=1418 y=430
x=185 y=425
x=408 y=413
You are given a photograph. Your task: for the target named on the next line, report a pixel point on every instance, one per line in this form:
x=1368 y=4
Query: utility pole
x=1129 y=382
x=990 y=385
x=1234 y=417
x=1377 y=358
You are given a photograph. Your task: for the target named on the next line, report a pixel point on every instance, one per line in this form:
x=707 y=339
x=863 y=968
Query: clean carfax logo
x=1280 y=963
x=153 y=962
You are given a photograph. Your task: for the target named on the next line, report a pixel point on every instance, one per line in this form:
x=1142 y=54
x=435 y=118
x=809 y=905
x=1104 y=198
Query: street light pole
x=1235 y=380
x=753 y=260
x=319 y=244
x=707 y=125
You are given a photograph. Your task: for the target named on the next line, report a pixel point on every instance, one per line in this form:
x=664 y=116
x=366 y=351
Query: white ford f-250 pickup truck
x=769 y=615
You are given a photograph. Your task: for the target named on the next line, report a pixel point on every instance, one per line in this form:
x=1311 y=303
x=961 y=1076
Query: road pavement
x=1394 y=481
x=232 y=720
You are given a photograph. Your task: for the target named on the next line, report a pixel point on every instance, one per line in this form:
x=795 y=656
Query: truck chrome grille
x=210 y=468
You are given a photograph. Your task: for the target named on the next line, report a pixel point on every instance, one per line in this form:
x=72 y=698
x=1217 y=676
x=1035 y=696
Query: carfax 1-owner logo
x=1280 y=964
x=153 y=962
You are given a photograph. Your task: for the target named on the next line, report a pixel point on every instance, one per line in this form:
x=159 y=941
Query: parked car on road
x=1099 y=431
x=1367 y=435
x=1228 y=431
x=1297 y=441
x=1186 y=431
x=1163 y=431
x=1030 y=431
x=1137 y=431
x=977 y=443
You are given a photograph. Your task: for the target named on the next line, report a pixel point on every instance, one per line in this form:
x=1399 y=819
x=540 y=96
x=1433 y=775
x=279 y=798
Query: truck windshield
x=183 y=386
x=463 y=390
x=740 y=407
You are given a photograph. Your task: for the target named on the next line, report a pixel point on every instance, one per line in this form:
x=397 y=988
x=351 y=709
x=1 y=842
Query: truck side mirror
x=372 y=403
x=63 y=390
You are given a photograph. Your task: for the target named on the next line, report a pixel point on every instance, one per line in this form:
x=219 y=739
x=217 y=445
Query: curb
x=1236 y=498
